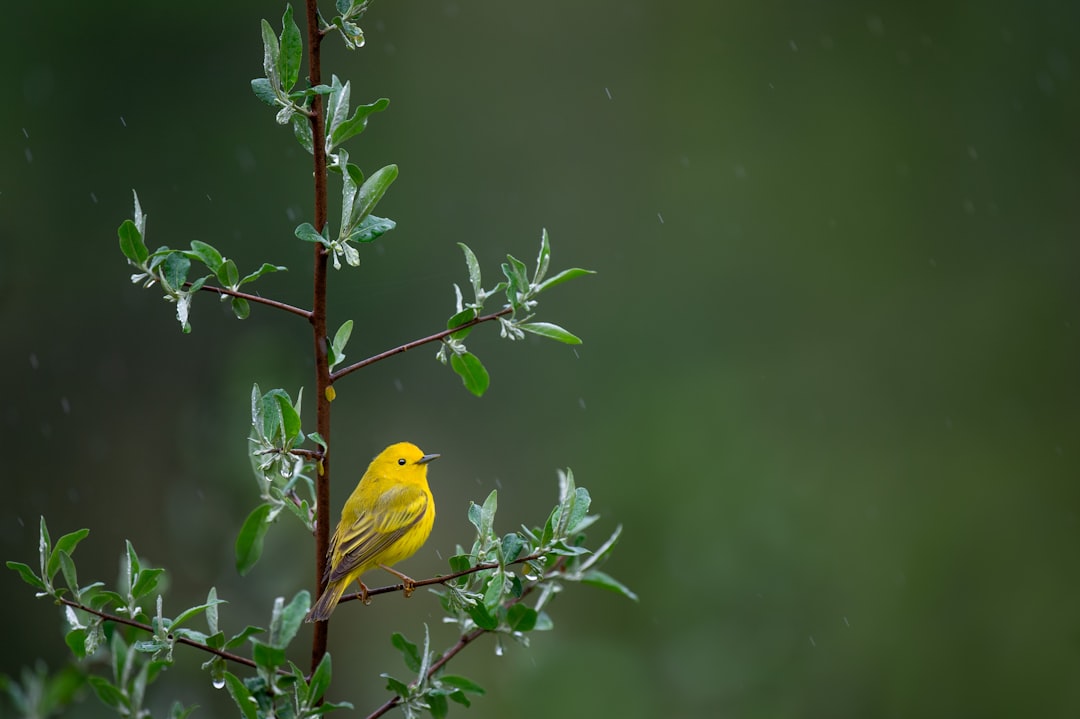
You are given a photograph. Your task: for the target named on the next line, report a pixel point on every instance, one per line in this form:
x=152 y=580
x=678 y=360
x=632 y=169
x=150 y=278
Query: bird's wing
x=395 y=512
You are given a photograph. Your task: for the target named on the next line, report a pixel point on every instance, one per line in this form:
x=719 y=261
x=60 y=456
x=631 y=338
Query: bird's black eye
x=401 y=461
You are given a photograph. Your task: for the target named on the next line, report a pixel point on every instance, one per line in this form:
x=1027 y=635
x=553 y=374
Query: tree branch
x=306 y=314
x=463 y=641
x=335 y=376
x=323 y=379
x=228 y=656
x=442 y=579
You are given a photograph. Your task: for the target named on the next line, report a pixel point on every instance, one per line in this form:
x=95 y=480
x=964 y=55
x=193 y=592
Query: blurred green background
x=829 y=382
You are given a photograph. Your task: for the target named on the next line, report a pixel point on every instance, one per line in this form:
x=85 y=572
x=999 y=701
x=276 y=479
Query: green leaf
x=271 y=55
x=240 y=308
x=396 y=685
x=68 y=542
x=241 y=695
x=543 y=257
x=289 y=416
x=131 y=243
x=493 y=594
x=356 y=124
x=320 y=680
x=487 y=512
x=208 y=254
x=286 y=620
x=175 y=271
x=240 y=638
x=266 y=656
x=227 y=274
x=511 y=546
x=472 y=372
x=292 y=49
x=371 y=192
x=249 y=543
x=437 y=705
x=371 y=228
x=337 y=347
x=474 y=270
x=107 y=693
x=546 y=329
x=483 y=618
x=459 y=682
x=408 y=650
x=264 y=91
x=562 y=277
x=146 y=582
x=521 y=618
x=27 y=575
x=463 y=317
x=265 y=269
x=337 y=104
x=76 y=642
x=605 y=581
x=194 y=611
x=302 y=131
x=67 y=568
x=580 y=508
x=308 y=233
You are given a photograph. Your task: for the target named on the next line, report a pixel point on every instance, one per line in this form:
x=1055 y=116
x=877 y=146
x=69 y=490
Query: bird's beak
x=427 y=458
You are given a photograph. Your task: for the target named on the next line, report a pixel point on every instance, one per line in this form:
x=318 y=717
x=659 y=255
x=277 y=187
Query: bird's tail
x=327 y=602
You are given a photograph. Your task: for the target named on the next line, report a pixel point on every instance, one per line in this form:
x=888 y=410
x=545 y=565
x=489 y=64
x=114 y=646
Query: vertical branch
x=318 y=323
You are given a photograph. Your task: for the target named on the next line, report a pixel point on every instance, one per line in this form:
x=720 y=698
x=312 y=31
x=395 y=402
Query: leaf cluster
x=111 y=627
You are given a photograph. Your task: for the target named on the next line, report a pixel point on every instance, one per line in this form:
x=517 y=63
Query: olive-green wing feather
x=395 y=513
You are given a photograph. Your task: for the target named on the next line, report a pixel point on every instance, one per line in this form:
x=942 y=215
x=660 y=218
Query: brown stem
x=442 y=579
x=463 y=641
x=228 y=656
x=335 y=376
x=258 y=300
x=318 y=322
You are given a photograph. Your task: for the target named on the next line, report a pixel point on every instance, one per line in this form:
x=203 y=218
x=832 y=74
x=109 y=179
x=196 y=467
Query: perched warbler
x=385 y=520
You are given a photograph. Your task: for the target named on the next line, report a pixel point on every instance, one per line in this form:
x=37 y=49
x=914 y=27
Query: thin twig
x=306 y=314
x=442 y=579
x=335 y=376
x=229 y=656
x=463 y=641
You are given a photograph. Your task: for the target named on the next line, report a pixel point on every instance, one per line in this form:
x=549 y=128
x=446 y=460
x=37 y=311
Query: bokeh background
x=829 y=384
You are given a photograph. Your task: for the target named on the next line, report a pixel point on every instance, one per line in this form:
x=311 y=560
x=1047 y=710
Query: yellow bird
x=385 y=520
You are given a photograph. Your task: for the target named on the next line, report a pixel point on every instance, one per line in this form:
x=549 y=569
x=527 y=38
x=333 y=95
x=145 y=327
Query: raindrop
x=740 y=172
x=846 y=622
x=933 y=263
x=33 y=361
x=498 y=483
x=973 y=153
x=498 y=647
x=608 y=93
x=576 y=355
x=398 y=385
x=219 y=682
x=123 y=121
x=291 y=214
x=65 y=405
x=660 y=217
x=93 y=198
x=581 y=402
x=29 y=156
x=685 y=161
x=812 y=642
x=26 y=133
x=969 y=207
x=793 y=46
x=208 y=198
x=438 y=554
